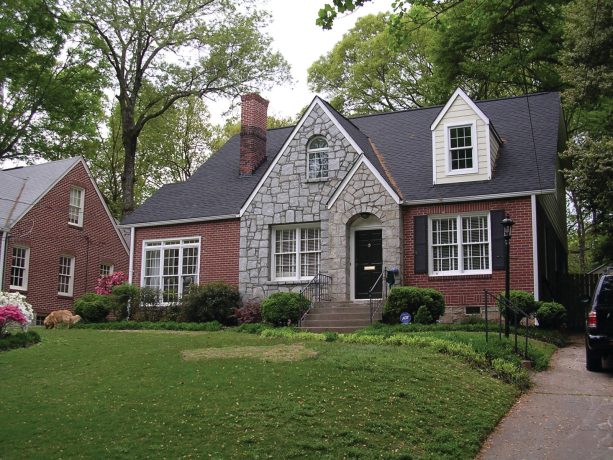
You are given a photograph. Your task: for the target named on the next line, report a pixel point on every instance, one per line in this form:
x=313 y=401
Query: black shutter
x=421 y=244
x=496 y=218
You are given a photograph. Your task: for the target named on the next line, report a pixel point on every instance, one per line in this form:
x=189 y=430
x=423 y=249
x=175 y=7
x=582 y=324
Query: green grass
x=107 y=394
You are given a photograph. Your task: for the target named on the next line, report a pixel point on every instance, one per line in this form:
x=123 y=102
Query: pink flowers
x=106 y=283
x=10 y=314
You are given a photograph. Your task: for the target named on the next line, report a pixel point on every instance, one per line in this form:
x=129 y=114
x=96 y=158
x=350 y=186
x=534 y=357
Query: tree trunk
x=130 y=139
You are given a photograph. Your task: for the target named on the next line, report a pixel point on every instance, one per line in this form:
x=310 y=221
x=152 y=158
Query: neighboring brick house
x=422 y=190
x=57 y=235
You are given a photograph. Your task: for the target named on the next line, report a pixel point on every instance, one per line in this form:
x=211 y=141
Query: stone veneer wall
x=364 y=193
x=286 y=197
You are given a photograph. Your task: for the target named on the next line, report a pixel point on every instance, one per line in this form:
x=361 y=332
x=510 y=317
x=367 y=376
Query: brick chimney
x=253 y=132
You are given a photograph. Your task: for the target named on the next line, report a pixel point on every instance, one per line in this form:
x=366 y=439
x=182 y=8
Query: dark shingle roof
x=404 y=140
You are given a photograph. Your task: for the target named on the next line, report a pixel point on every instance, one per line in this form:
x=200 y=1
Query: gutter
x=496 y=196
x=3 y=243
x=180 y=221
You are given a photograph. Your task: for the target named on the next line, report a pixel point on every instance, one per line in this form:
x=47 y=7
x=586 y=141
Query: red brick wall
x=219 y=247
x=45 y=230
x=468 y=290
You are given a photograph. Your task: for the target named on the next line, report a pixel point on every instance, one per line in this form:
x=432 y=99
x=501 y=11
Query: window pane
x=285 y=265
x=460 y=143
x=75 y=210
x=318 y=165
x=475 y=243
x=310 y=250
x=65 y=275
x=18 y=268
x=444 y=245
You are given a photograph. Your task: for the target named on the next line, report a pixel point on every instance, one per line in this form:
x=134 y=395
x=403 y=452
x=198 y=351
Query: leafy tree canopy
x=50 y=90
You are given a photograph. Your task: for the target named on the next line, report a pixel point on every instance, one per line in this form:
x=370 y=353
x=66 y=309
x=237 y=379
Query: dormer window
x=317 y=159
x=461 y=148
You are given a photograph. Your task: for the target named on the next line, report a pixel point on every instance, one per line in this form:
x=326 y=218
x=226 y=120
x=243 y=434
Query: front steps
x=338 y=317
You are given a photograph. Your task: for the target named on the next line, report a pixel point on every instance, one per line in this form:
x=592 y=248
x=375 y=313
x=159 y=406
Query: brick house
x=420 y=190
x=57 y=235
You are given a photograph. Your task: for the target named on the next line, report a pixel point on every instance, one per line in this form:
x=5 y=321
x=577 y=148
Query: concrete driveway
x=568 y=414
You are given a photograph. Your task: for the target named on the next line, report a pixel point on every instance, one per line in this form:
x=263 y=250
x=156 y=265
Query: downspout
x=131 y=262
x=3 y=257
x=535 y=251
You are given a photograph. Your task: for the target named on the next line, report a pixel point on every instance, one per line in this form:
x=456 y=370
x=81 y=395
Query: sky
x=301 y=42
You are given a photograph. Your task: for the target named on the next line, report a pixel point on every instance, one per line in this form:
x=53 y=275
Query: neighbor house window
x=75 y=208
x=460 y=244
x=106 y=269
x=317 y=159
x=20 y=267
x=297 y=252
x=171 y=266
x=66 y=276
x=461 y=148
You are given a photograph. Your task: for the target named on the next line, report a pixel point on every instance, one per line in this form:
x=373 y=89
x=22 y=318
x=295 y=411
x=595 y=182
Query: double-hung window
x=75 y=206
x=171 y=266
x=460 y=245
x=106 y=269
x=20 y=265
x=66 y=276
x=317 y=159
x=297 y=252
x=461 y=148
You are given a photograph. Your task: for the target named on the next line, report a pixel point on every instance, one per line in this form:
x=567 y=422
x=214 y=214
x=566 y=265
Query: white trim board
x=362 y=161
x=535 y=253
x=495 y=196
x=317 y=102
x=188 y=220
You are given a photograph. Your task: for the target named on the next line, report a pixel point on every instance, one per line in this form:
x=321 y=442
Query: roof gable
x=459 y=93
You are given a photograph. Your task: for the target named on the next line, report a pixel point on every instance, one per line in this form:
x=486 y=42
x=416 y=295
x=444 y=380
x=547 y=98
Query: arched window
x=317 y=158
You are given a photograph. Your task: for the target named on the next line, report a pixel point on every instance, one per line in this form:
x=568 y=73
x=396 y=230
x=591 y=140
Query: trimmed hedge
x=551 y=315
x=148 y=325
x=410 y=299
x=282 y=308
x=210 y=302
x=19 y=340
x=522 y=300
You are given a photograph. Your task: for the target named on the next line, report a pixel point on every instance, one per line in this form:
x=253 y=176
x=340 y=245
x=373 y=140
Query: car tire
x=593 y=360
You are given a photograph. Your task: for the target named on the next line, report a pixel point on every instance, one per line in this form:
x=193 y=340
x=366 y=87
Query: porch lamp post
x=507 y=224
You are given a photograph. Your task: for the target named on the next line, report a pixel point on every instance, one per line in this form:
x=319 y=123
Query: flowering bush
x=10 y=315
x=105 y=283
x=18 y=300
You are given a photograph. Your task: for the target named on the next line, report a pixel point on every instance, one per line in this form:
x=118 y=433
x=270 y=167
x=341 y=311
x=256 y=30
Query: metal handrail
x=317 y=289
x=371 y=302
x=510 y=305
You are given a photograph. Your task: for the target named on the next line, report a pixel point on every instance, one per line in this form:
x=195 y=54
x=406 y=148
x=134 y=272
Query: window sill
x=64 y=296
x=321 y=179
x=77 y=226
x=483 y=276
x=287 y=282
x=18 y=288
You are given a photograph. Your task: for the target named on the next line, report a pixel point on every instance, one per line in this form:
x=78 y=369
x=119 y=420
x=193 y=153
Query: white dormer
x=464 y=145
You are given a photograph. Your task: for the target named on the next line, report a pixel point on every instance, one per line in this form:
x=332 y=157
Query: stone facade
x=363 y=194
x=288 y=197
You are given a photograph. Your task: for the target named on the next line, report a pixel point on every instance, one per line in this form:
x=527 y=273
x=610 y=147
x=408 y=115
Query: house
x=423 y=191
x=57 y=235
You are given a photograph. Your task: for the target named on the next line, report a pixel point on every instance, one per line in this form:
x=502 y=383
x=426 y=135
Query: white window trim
x=309 y=151
x=26 y=270
x=79 y=222
x=273 y=264
x=460 y=271
x=111 y=268
x=162 y=245
x=473 y=133
x=70 y=275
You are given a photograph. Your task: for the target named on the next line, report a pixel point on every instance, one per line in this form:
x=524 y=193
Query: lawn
x=111 y=394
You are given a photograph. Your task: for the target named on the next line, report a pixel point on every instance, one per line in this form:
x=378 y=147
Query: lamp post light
x=507 y=224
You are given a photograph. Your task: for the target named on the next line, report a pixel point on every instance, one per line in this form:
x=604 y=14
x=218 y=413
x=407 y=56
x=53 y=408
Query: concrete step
x=336 y=323
x=341 y=305
x=326 y=314
x=339 y=329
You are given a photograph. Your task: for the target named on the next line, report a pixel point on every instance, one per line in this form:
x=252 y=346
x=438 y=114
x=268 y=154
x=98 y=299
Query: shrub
x=19 y=340
x=92 y=307
x=105 y=284
x=124 y=295
x=210 y=302
x=282 y=308
x=148 y=325
x=9 y=315
x=409 y=299
x=521 y=299
x=423 y=316
x=250 y=312
x=19 y=300
x=551 y=315
x=151 y=309
x=252 y=328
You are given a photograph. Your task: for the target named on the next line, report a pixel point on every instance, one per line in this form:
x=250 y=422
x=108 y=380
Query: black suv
x=599 y=324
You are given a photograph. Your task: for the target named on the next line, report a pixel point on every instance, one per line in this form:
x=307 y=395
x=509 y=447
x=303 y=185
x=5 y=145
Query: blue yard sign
x=405 y=317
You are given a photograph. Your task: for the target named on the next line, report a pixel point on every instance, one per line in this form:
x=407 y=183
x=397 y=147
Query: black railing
x=506 y=306
x=317 y=290
x=377 y=303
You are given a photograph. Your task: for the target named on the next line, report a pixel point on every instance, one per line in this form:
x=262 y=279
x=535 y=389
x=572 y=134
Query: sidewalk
x=568 y=414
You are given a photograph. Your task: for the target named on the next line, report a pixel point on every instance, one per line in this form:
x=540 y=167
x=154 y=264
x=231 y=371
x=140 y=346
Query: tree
x=181 y=48
x=50 y=91
x=364 y=74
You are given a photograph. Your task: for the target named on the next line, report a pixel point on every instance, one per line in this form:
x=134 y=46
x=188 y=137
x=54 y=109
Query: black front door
x=368 y=263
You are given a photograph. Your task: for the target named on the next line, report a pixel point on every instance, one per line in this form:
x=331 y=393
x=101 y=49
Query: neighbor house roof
x=21 y=188
x=527 y=160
